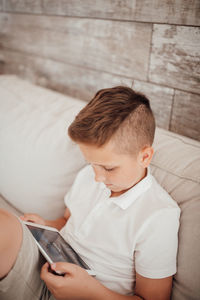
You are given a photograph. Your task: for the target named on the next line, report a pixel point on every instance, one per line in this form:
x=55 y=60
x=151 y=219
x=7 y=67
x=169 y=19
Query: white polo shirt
x=134 y=232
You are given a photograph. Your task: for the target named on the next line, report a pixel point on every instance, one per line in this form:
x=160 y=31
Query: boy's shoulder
x=162 y=194
x=158 y=199
x=154 y=206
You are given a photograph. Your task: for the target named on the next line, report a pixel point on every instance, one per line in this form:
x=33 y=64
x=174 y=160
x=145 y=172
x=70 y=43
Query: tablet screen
x=56 y=247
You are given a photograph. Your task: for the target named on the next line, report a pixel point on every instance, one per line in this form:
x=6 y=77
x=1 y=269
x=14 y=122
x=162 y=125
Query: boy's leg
x=20 y=262
x=10 y=241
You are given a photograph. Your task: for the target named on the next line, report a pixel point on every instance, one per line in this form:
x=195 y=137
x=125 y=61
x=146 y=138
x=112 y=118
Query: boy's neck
x=117 y=194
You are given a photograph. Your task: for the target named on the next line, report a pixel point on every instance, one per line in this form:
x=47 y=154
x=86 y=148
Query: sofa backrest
x=176 y=166
x=38 y=163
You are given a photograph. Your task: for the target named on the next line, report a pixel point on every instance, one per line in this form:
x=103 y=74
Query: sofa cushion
x=4 y=204
x=176 y=166
x=38 y=162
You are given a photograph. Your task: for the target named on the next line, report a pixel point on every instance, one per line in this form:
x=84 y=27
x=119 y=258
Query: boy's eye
x=109 y=170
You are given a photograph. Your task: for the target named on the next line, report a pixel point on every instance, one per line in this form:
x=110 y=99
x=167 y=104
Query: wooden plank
x=33 y=7
x=186 y=115
x=116 y=47
x=175 y=57
x=161 y=101
x=1 y=5
x=83 y=83
x=157 y=11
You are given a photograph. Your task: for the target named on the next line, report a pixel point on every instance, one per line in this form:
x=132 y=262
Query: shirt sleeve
x=156 y=250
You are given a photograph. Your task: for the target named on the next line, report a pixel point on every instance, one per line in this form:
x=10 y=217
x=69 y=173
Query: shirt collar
x=126 y=199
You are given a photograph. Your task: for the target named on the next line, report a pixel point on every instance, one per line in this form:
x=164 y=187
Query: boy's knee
x=11 y=238
x=10 y=227
x=9 y=223
x=4 y=215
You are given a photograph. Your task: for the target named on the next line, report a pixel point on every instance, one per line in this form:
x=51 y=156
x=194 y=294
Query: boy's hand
x=75 y=284
x=34 y=218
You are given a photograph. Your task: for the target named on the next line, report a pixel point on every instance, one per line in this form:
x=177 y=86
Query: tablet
x=54 y=248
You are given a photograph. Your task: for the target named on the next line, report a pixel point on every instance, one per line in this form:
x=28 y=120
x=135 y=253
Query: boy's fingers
x=65 y=267
x=52 y=281
x=26 y=216
x=46 y=275
x=32 y=218
x=44 y=269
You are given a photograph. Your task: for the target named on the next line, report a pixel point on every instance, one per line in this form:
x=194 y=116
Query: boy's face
x=119 y=172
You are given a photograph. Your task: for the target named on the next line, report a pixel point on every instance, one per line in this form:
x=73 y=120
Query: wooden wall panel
x=161 y=101
x=186 y=115
x=79 y=83
x=77 y=47
x=1 y=5
x=116 y=47
x=33 y=7
x=157 y=11
x=175 y=57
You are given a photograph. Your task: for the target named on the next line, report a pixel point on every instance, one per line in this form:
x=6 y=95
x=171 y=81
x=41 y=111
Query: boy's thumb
x=64 y=267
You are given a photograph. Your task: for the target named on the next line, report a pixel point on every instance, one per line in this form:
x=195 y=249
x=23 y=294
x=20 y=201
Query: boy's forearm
x=98 y=292
x=58 y=223
x=116 y=296
x=106 y=294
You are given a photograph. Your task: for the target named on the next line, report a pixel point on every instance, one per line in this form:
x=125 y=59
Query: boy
x=118 y=218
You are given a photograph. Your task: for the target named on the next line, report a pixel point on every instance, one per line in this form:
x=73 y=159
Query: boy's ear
x=145 y=156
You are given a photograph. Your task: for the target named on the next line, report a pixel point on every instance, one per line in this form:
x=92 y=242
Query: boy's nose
x=99 y=174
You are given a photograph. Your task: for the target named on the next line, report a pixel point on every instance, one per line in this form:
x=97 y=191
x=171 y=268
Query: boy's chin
x=119 y=190
x=114 y=189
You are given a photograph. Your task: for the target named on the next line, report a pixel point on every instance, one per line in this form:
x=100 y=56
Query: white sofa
x=38 y=163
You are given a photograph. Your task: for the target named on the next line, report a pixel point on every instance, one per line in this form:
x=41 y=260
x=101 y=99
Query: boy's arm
x=58 y=223
x=77 y=284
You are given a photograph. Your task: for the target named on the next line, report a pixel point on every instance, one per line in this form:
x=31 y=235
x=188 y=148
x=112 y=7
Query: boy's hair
x=119 y=113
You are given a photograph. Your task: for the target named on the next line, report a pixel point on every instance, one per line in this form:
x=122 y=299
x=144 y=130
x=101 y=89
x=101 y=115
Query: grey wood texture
x=186 y=114
x=183 y=12
x=77 y=47
x=175 y=57
x=161 y=101
x=77 y=82
x=115 y=47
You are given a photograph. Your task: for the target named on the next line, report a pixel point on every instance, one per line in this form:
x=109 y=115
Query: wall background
x=77 y=47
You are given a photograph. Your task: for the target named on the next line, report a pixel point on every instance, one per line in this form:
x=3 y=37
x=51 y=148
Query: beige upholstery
x=176 y=165
x=38 y=163
x=4 y=204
